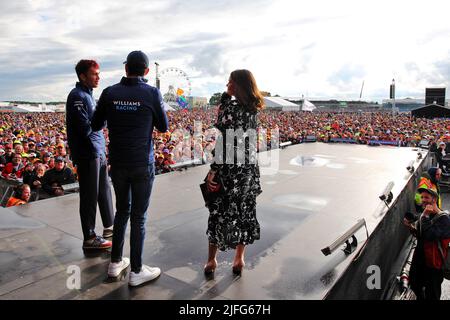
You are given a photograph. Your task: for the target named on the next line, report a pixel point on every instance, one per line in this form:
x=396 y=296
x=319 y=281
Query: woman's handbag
x=209 y=196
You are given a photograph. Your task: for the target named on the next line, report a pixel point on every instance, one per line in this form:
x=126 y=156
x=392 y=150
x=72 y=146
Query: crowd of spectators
x=359 y=127
x=32 y=144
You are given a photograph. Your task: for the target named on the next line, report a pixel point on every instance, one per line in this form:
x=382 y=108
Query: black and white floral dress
x=232 y=220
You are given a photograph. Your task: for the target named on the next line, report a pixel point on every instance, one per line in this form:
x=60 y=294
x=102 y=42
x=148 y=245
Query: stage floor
x=317 y=192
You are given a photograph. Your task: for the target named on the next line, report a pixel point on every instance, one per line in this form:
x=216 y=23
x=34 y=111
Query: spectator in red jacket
x=13 y=170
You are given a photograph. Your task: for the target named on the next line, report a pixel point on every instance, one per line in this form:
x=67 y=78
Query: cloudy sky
x=319 y=48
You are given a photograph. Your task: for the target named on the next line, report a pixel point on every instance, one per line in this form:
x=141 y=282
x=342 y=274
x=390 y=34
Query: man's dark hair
x=136 y=70
x=83 y=66
x=18 y=190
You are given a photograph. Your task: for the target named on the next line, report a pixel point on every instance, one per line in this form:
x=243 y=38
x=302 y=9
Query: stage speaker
x=435 y=95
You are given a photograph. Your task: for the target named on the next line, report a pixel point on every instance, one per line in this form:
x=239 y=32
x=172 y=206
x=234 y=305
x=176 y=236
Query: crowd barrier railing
x=7 y=189
x=344 y=140
x=186 y=164
x=384 y=142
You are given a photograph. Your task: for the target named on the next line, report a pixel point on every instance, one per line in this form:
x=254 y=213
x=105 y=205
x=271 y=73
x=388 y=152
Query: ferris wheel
x=173 y=83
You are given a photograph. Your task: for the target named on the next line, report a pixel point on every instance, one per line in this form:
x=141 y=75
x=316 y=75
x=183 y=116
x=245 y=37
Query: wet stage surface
x=317 y=193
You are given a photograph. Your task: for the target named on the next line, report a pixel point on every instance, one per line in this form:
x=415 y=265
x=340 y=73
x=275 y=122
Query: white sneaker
x=147 y=274
x=115 y=268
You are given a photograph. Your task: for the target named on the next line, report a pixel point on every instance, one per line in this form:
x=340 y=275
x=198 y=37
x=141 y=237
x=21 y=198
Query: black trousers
x=430 y=286
x=94 y=188
x=133 y=187
x=425 y=282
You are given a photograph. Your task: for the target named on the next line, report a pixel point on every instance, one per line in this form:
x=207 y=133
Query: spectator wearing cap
x=32 y=149
x=429 y=179
x=432 y=226
x=37 y=162
x=61 y=150
x=56 y=177
x=41 y=148
x=131 y=109
x=87 y=148
x=170 y=159
x=159 y=164
x=160 y=146
x=31 y=157
x=167 y=162
x=46 y=157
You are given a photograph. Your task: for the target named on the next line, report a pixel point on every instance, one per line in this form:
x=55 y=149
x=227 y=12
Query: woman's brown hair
x=246 y=90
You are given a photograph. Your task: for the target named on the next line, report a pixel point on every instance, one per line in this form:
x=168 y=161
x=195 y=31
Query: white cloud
x=321 y=48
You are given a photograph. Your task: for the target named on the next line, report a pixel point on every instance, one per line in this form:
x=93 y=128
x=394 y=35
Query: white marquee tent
x=308 y=106
x=279 y=103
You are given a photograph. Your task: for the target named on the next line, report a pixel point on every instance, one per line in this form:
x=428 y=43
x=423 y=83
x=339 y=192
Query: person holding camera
x=433 y=225
x=232 y=222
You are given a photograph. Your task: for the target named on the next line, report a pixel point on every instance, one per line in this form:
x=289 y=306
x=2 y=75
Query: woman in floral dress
x=232 y=222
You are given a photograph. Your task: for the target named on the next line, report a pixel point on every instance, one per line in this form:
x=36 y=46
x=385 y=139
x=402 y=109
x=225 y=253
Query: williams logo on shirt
x=126 y=106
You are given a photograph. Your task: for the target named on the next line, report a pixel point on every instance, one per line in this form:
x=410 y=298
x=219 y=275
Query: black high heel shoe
x=237 y=270
x=208 y=271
